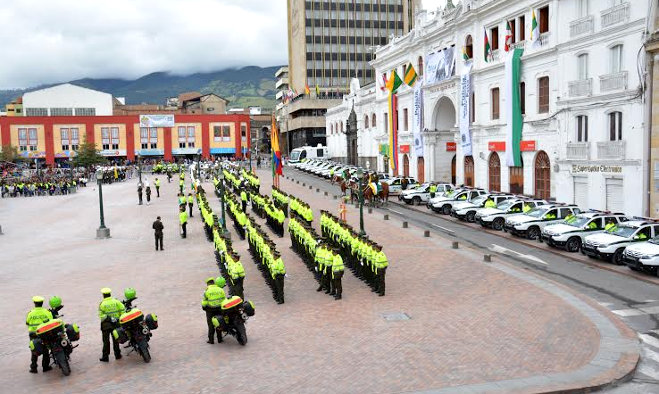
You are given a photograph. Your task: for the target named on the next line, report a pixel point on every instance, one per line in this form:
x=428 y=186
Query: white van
x=299 y=155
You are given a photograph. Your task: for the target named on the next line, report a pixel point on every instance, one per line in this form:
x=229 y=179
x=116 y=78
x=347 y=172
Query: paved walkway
x=467 y=326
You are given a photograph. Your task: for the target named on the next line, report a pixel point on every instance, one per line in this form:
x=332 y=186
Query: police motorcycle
x=135 y=327
x=57 y=337
x=233 y=315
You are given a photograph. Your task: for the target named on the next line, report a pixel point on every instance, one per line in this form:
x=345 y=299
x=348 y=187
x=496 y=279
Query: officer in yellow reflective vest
x=38 y=315
x=109 y=311
x=180 y=186
x=190 y=204
x=278 y=271
x=243 y=199
x=380 y=269
x=337 y=274
x=183 y=220
x=156 y=183
x=211 y=303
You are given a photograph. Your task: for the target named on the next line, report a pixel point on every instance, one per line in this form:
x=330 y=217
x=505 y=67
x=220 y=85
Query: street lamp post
x=360 y=175
x=102 y=232
x=198 y=165
x=139 y=168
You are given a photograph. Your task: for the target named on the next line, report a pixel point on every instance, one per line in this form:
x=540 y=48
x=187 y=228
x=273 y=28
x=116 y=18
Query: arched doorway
x=516 y=175
x=469 y=171
x=444 y=118
x=542 y=176
x=453 y=165
x=494 y=173
x=420 y=169
x=406 y=166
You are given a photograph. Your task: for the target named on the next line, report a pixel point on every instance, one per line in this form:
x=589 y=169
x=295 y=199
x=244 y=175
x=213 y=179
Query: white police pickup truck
x=569 y=234
x=611 y=244
x=531 y=223
x=443 y=204
x=495 y=218
x=466 y=210
x=643 y=256
x=421 y=193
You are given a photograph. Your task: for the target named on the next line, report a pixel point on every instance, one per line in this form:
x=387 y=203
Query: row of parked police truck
x=609 y=236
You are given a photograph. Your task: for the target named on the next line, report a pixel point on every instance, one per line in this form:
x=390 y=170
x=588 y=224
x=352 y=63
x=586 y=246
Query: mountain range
x=244 y=87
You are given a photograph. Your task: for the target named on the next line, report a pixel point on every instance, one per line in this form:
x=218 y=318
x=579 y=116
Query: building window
x=243 y=131
x=32 y=139
x=22 y=139
x=582 y=128
x=520 y=28
x=36 y=111
x=374 y=124
x=615 y=126
x=226 y=133
x=85 y=111
x=543 y=95
x=191 y=136
x=494 y=37
x=115 y=137
x=582 y=66
x=469 y=47
x=522 y=98
x=61 y=112
x=616 y=59
x=511 y=23
x=386 y=122
x=64 y=135
x=105 y=138
x=544 y=19
x=144 y=137
x=75 y=138
x=365 y=121
x=153 y=137
x=405 y=120
x=420 y=65
x=495 y=103
x=181 y=136
x=217 y=133
x=472 y=107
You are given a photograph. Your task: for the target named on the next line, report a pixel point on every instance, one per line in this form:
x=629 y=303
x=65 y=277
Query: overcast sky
x=48 y=41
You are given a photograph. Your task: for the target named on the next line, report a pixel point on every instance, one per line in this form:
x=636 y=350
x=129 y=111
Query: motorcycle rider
x=211 y=304
x=109 y=311
x=38 y=315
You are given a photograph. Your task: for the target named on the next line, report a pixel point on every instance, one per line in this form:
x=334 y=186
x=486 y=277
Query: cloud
x=60 y=40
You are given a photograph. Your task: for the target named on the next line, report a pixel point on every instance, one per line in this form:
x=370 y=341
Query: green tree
x=10 y=154
x=88 y=155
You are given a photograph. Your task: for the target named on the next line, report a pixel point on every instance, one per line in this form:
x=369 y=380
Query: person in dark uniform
x=157 y=228
x=139 y=192
x=148 y=194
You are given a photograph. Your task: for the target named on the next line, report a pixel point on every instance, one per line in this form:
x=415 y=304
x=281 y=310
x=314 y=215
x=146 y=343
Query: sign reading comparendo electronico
x=612 y=169
x=157 y=120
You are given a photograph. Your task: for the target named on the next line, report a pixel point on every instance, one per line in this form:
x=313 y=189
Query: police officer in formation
x=280 y=199
x=37 y=316
x=267 y=258
x=301 y=209
x=363 y=256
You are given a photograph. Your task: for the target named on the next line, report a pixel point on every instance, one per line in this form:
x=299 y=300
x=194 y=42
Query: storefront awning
x=222 y=151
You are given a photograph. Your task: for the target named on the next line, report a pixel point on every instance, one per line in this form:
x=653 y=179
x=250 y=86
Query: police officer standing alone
x=157 y=228
x=183 y=220
x=211 y=304
x=156 y=183
x=139 y=193
x=109 y=311
x=148 y=193
x=38 y=315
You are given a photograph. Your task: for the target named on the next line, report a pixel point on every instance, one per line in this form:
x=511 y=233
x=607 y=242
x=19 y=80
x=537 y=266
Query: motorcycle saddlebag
x=36 y=346
x=248 y=306
x=120 y=335
x=72 y=332
x=151 y=321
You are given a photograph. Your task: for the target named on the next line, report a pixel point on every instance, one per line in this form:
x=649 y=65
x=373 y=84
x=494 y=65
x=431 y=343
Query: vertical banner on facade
x=393 y=132
x=432 y=63
x=514 y=111
x=465 y=107
x=418 y=118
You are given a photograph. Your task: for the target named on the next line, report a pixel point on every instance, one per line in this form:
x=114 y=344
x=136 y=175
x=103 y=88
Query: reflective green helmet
x=210 y=281
x=220 y=281
x=130 y=293
x=55 y=302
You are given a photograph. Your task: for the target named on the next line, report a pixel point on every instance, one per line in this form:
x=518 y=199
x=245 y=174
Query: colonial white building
x=584 y=137
x=67 y=100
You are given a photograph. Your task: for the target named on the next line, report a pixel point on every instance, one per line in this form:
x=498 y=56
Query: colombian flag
x=307 y=91
x=274 y=147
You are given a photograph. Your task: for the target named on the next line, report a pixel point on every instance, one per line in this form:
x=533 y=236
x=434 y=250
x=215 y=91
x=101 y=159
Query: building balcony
x=615 y=15
x=578 y=151
x=306 y=122
x=281 y=70
x=616 y=81
x=611 y=150
x=279 y=95
x=582 y=26
x=580 y=88
x=495 y=55
x=281 y=82
x=519 y=44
